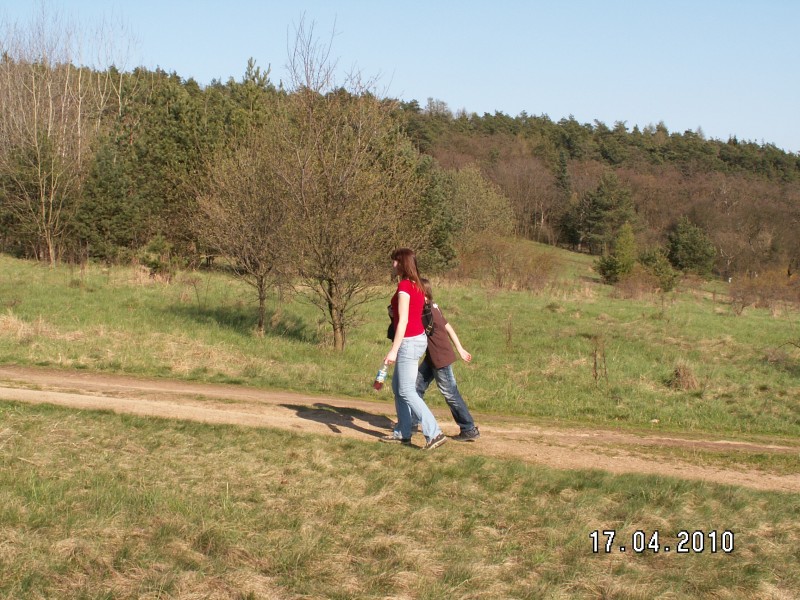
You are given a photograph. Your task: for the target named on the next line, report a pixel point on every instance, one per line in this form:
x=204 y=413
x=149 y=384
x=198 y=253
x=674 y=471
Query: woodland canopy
x=144 y=165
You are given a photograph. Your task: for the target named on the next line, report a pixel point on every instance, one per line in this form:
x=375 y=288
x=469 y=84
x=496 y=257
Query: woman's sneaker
x=468 y=436
x=435 y=442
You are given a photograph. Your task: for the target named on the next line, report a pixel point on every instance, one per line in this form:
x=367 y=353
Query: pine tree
x=621 y=260
x=690 y=249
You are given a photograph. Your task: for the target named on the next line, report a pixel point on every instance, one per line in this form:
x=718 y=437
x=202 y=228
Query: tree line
x=575 y=185
x=316 y=181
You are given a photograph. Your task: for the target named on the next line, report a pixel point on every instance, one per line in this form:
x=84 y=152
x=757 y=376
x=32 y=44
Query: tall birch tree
x=51 y=110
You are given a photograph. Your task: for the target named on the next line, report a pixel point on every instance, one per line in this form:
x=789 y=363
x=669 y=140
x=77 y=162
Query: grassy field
x=570 y=353
x=96 y=505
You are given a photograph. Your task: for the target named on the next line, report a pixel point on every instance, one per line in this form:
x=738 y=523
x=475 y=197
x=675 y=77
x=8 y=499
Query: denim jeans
x=409 y=405
x=446 y=382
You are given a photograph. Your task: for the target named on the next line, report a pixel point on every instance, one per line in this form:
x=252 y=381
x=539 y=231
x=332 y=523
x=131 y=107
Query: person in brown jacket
x=438 y=365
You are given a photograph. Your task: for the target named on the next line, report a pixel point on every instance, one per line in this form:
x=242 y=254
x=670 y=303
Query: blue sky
x=727 y=67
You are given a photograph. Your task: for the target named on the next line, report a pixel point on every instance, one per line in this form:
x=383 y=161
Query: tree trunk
x=261 y=284
x=336 y=313
x=52 y=255
x=338 y=331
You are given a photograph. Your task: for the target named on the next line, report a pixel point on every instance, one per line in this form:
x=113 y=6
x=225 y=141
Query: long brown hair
x=407 y=266
x=426 y=287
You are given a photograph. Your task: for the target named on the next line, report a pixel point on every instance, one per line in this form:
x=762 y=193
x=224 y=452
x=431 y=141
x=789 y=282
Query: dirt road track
x=560 y=448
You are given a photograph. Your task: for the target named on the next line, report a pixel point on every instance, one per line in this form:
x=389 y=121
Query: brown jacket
x=440 y=351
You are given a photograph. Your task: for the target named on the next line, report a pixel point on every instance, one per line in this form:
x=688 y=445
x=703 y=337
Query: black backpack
x=427 y=318
x=427 y=322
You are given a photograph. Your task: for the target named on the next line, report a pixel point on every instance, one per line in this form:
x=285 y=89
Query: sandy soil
x=609 y=450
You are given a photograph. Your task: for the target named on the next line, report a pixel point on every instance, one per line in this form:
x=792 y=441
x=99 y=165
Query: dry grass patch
x=184 y=355
x=101 y=346
x=584 y=293
x=39 y=330
x=721 y=347
x=25 y=332
x=555 y=366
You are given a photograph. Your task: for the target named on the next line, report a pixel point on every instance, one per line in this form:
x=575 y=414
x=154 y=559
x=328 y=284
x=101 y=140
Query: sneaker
x=393 y=439
x=468 y=436
x=435 y=442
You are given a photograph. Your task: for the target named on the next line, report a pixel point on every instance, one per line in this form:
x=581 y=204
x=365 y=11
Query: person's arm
x=466 y=356
x=403 y=303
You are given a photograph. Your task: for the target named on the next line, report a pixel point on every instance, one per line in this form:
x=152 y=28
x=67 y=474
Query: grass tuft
x=683 y=378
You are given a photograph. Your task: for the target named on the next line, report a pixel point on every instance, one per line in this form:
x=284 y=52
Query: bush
x=506 y=265
x=655 y=262
x=620 y=261
x=157 y=256
x=690 y=249
x=609 y=268
x=764 y=291
x=637 y=284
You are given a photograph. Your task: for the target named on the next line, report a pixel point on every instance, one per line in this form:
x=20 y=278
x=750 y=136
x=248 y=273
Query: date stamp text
x=606 y=541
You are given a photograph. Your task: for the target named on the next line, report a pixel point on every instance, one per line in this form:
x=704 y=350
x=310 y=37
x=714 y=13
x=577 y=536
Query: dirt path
x=616 y=452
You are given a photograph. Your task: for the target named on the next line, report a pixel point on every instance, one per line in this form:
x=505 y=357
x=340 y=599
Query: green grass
x=97 y=505
x=572 y=353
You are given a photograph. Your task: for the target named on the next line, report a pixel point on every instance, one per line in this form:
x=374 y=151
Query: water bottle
x=381 y=377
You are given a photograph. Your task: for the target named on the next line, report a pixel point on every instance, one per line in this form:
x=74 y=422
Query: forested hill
x=116 y=171
x=615 y=146
x=745 y=196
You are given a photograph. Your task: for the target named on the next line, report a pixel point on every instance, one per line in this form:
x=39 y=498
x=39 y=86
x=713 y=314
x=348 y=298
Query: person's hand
x=391 y=358
x=465 y=356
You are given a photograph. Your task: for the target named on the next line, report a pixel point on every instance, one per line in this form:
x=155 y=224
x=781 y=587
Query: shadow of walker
x=335 y=417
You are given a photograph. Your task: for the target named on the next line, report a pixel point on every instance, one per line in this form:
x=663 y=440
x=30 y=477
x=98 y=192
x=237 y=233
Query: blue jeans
x=446 y=382
x=407 y=401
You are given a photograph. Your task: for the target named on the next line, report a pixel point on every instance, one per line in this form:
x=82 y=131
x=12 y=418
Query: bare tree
x=530 y=187
x=51 y=109
x=349 y=180
x=240 y=215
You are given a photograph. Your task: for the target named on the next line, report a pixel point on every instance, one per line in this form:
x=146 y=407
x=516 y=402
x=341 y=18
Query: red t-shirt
x=417 y=301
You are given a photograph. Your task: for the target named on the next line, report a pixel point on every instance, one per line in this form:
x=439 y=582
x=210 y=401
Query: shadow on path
x=337 y=416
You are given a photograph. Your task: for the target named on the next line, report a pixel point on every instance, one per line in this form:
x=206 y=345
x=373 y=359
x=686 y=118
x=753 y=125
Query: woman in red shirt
x=408 y=346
